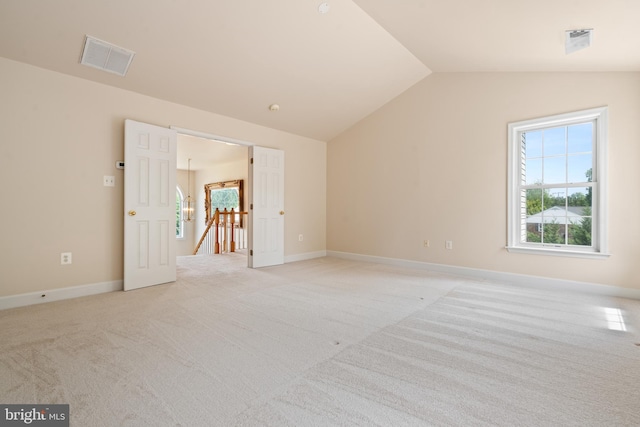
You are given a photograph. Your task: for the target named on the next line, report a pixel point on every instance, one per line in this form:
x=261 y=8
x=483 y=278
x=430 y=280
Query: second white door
x=266 y=207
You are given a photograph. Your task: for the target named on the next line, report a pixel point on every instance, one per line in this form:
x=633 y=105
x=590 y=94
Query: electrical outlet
x=300 y=237
x=109 y=181
x=448 y=244
x=65 y=258
x=426 y=243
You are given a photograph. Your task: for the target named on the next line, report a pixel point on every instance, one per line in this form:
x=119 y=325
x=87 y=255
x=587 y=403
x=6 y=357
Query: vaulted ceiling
x=325 y=70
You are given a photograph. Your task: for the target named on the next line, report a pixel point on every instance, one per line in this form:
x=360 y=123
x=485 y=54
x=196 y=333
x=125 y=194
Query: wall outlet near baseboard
x=426 y=244
x=448 y=244
x=66 y=258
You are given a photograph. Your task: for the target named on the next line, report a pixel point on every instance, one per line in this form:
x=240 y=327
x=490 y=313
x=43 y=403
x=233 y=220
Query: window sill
x=557 y=252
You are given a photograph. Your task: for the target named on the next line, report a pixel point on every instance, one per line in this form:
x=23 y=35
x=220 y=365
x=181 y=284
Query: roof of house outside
x=558 y=215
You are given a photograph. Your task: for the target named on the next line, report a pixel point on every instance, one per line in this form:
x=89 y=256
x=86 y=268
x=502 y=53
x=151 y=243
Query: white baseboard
x=498 y=276
x=21 y=300
x=305 y=256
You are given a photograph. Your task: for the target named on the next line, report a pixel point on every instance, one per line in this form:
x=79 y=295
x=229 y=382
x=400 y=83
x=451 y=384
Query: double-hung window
x=557 y=184
x=179 y=218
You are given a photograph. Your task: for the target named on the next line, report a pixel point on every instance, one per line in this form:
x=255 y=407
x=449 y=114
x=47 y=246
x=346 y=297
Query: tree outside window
x=557 y=168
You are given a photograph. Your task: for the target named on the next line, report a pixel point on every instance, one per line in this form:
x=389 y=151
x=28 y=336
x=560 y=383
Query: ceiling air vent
x=105 y=56
x=577 y=39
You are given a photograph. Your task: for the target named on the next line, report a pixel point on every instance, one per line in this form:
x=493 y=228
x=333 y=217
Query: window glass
x=553 y=182
x=179 y=222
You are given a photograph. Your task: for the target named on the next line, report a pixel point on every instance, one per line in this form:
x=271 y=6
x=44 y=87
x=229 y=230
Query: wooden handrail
x=215 y=220
x=206 y=230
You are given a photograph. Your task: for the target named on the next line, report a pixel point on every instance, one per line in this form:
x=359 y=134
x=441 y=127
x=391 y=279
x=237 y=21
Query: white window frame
x=180 y=235
x=599 y=248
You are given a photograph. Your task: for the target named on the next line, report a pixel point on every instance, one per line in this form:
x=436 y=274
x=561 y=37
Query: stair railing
x=222 y=233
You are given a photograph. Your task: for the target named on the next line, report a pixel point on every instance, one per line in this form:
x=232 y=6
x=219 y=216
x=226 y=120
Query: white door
x=266 y=207
x=149 y=205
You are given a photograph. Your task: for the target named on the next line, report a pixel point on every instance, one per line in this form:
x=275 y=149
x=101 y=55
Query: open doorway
x=212 y=162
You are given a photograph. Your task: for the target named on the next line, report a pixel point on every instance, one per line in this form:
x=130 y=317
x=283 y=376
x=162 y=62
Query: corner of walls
x=431 y=165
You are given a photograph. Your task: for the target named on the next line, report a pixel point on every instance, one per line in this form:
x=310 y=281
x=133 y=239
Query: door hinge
x=251 y=252
x=251 y=206
x=252 y=160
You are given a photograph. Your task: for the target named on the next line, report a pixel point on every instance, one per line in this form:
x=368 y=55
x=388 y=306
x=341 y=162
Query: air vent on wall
x=106 y=56
x=577 y=39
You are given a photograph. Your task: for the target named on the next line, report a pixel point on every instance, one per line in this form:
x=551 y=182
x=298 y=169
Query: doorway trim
x=211 y=136
x=226 y=140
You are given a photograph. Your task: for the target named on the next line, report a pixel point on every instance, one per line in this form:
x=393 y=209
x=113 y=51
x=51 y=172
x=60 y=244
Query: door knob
x=281 y=212
x=132 y=213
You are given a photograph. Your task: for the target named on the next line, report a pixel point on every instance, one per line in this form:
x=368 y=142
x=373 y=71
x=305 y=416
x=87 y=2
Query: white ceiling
x=326 y=71
x=512 y=35
x=206 y=153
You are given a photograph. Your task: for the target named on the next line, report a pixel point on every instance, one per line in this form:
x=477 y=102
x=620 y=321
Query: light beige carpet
x=326 y=342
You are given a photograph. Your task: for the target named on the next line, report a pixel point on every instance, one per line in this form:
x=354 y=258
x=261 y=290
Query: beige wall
x=61 y=134
x=432 y=164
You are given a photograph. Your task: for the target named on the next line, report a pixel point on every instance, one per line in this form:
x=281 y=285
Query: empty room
x=308 y=213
